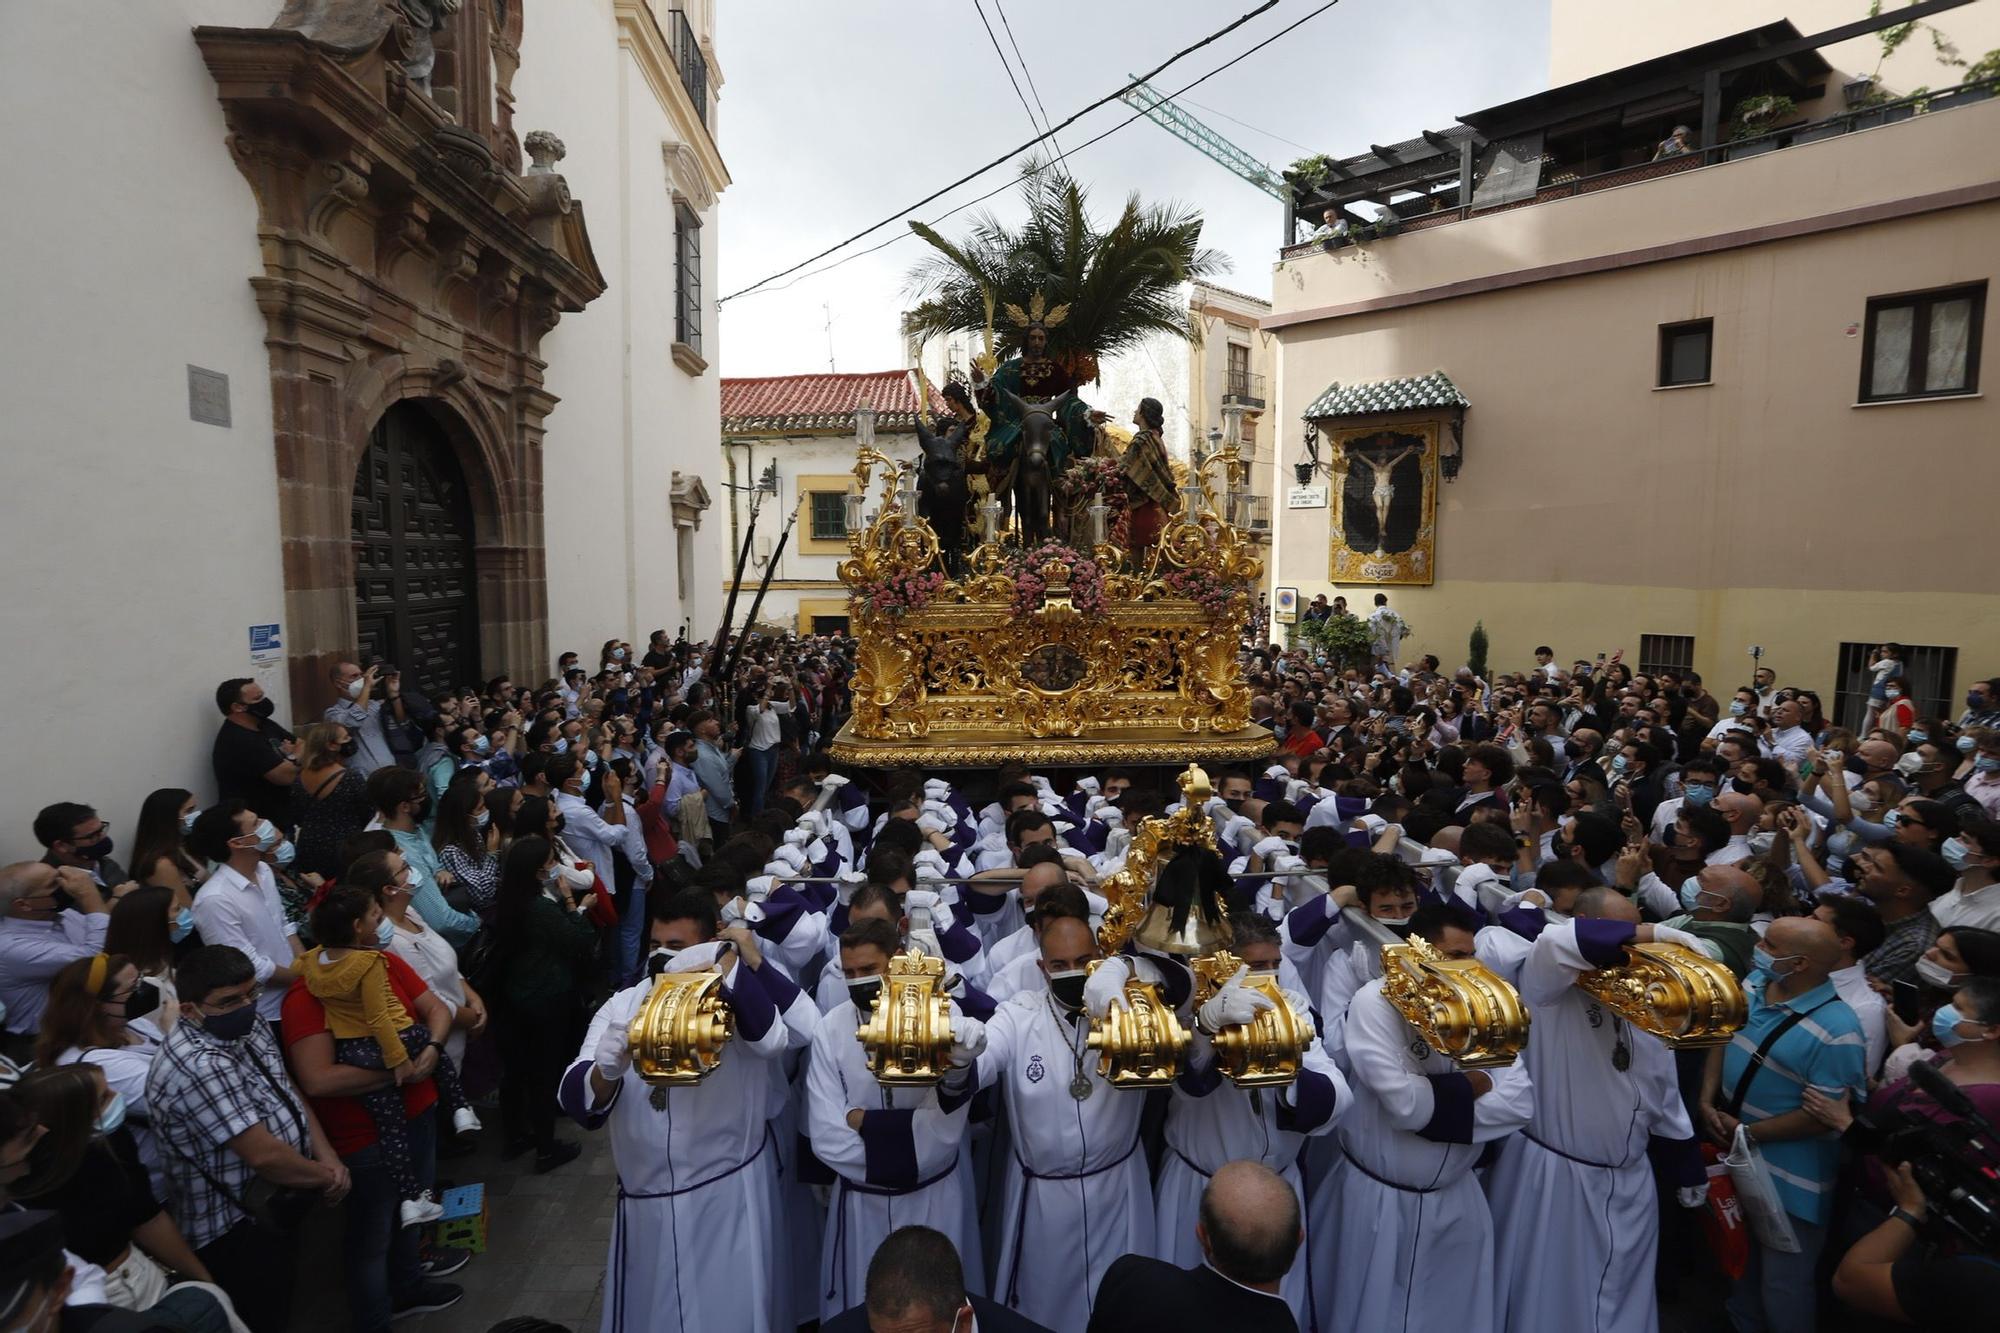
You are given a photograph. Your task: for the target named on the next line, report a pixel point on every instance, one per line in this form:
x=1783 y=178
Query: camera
x=1957 y=1164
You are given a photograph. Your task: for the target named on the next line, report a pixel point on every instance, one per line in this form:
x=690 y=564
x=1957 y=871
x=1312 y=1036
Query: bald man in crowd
x=1249 y=1232
x=1742 y=812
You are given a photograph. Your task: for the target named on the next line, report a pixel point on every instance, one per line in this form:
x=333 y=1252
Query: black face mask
x=864 y=992
x=62 y=898
x=1740 y=787
x=1068 y=990
x=656 y=961
x=232 y=1026
x=423 y=810
x=1559 y=847
x=142 y=1001
x=350 y=749
x=92 y=851
x=262 y=708
x=1235 y=803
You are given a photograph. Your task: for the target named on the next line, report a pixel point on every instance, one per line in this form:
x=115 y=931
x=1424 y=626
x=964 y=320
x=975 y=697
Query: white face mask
x=1938 y=975
x=354 y=687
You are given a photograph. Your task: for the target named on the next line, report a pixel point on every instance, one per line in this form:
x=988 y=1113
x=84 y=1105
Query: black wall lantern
x=1305 y=468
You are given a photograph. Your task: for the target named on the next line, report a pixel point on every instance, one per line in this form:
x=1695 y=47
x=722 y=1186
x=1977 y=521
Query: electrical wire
x=1011 y=153
x=1020 y=96
x=1028 y=74
x=1252 y=128
x=1002 y=188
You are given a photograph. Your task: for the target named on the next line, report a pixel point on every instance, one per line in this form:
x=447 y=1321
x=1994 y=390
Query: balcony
x=1243 y=388
x=693 y=65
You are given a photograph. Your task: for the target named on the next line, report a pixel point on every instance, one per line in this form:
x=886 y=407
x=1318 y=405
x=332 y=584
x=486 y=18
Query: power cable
x=1020 y=96
x=1011 y=153
x=1029 y=75
x=1002 y=188
x=1252 y=128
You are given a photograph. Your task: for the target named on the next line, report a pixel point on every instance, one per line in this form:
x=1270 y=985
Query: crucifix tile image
x=1382 y=492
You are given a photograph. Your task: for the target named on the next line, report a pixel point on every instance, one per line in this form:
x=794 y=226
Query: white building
x=804 y=427
x=312 y=353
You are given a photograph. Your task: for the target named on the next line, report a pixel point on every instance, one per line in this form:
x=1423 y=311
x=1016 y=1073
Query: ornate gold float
x=1461 y=1009
x=1685 y=999
x=1113 y=655
x=908 y=1036
x=681 y=1027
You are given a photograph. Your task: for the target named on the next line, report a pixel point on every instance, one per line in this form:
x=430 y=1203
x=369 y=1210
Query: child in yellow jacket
x=349 y=975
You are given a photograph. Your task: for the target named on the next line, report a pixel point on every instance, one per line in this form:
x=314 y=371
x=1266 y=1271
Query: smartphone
x=1904 y=1000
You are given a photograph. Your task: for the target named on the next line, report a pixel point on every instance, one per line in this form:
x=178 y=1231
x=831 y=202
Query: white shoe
x=465 y=1121
x=423 y=1208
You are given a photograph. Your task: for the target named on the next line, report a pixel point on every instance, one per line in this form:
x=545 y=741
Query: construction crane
x=1206 y=141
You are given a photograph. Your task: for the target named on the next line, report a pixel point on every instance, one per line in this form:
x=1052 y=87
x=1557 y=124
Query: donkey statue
x=1034 y=465
x=942 y=491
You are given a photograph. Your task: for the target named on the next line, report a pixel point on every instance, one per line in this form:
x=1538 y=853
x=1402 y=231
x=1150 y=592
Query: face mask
x=232 y=1026
x=1740 y=787
x=1618 y=764
x=354 y=687
x=1938 y=976
x=1956 y=854
x=97 y=851
x=1395 y=925
x=1764 y=965
x=1737 y=708
x=423 y=810
x=1892 y=694
x=1944 y=1026
x=263 y=708
x=482 y=819
x=183 y=925
x=561 y=746
x=1761 y=843
x=658 y=959
x=1067 y=987
x=1691 y=894
x=143 y=1000
x=1986 y=763
x=285 y=854
x=385 y=934
x=1967 y=744
x=113 y=1114
x=864 y=990
x=1975 y=700
x=187 y=820
x=1699 y=793
x=1235 y=804
x=267 y=835
x=350 y=748
x=1918 y=736
x=590 y=759
x=1892 y=818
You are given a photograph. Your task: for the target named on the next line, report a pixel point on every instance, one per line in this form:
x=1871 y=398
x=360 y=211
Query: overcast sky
x=835 y=113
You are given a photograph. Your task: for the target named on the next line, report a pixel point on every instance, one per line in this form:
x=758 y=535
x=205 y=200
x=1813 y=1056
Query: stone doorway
x=415 y=593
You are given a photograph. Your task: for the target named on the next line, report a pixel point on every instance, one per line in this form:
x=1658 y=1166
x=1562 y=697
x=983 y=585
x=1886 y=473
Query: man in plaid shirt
x=226 y=1114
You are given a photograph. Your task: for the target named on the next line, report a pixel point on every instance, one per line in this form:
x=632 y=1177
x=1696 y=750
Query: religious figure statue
x=1037 y=421
x=425 y=17
x=1384 y=491
x=1151 y=495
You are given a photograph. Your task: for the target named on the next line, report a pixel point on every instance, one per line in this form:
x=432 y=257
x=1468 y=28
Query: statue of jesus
x=1384 y=488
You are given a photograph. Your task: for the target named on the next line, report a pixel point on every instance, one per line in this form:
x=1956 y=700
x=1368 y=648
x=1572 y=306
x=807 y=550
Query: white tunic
x=1211 y=1122
x=1575 y=1214
x=907 y=1164
x=696 y=1180
x=1077 y=1192
x=1402 y=1229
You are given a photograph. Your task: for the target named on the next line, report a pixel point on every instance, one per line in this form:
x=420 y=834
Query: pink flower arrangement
x=900 y=592
x=1203 y=588
x=1030 y=572
x=1096 y=477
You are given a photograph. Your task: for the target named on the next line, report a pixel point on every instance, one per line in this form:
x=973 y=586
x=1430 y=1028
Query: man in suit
x=916 y=1285
x=1249 y=1232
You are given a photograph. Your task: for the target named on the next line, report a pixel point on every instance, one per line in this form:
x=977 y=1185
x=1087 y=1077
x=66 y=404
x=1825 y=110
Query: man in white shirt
x=49 y=918
x=1858 y=926
x=238 y=904
x=1743 y=813
x=1975 y=899
x=1788 y=741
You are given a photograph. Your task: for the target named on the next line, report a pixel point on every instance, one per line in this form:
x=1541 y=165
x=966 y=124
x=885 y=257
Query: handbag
x=1756 y=1195
x=1722 y=1221
x=278 y=1209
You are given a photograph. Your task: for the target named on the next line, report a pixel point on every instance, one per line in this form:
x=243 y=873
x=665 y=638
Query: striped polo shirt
x=1827 y=1050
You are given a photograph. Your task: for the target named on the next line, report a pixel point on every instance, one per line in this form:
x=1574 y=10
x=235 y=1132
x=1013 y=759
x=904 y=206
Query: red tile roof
x=821 y=402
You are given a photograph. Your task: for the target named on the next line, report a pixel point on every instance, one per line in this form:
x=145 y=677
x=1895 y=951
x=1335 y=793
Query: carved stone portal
x=405 y=257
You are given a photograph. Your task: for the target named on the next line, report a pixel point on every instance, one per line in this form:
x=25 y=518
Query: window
x=829 y=516
x=829 y=624
x=1239 y=369
x=1665 y=652
x=1249 y=432
x=687 y=277
x=1929 y=670
x=1923 y=344
x=1685 y=352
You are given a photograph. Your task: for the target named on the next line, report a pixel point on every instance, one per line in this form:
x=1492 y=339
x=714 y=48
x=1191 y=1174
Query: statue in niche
x=425 y=17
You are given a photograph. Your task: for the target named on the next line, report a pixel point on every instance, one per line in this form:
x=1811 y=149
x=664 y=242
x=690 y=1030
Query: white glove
x=833 y=780
x=820 y=821
x=1271 y=847
x=923 y=940
x=815 y=851
x=936 y=789
x=1237 y=830
x=1099 y=904
x=1117 y=843
x=1692 y=1196
x=968 y=1039
x=1668 y=935
x=732 y=913
x=1287 y=861
x=1052 y=807
x=1277 y=771
x=1042 y=785
x=1111 y=817
x=930 y=823
x=850 y=880
x=1105 y=988
x=930 y=859
x=941 y=810
x=1091 y=785
x=614 y=1052
x=797 y=837
x=1296 y=788
x=920 y=900
x=1234 y=1004
x=1095 y=806
x=789 y=860
x=1215 y=808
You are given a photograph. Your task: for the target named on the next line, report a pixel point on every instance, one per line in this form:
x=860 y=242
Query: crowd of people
x=306 y=991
